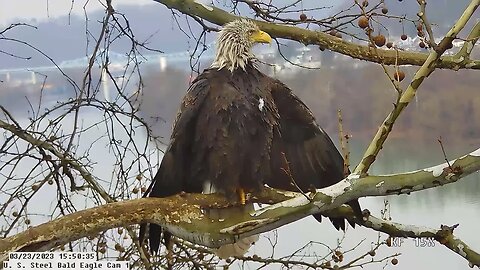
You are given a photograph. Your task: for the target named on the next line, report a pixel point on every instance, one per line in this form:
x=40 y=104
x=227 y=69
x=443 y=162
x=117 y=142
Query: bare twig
x=423 y=72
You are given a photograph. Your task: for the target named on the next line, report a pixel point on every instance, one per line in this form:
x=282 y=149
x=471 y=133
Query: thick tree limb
x=309 y=37
x=183 y=216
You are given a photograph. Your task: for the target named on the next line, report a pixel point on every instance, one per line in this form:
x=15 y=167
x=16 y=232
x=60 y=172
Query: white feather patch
x=261 y=103
x=238 y=248
x=208 y=188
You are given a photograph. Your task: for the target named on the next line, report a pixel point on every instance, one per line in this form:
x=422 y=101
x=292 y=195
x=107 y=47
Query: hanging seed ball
x=419 y=26
x=384 y=10
x=228 y=260
x=118 y=247
x=363 y=22
x=34 y=187
x=365 y=3
x=102 y=250
x=303 y=17
x=421 y=44
x=333 y=32
x=380 y=40
x=338 y=35
x=389 y=239
x=135 y=190
x=372 y=253
x=143 y=189
x=50 y=182
x=399 y=76
x=27 y=221
x=404 y=37
x=389 y=45
x=394 y=261
x=139 y=177
x=15 y=214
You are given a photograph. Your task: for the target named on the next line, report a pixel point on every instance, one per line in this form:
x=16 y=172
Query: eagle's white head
x=234 y=44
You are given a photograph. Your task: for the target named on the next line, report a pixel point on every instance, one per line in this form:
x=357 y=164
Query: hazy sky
x=25 y=10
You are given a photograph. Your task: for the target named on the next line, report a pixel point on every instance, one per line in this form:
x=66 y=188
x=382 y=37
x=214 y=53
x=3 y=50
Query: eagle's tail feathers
x=242 y=246
x=236 y=249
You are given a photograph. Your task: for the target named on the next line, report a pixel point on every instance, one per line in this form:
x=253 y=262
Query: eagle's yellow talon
x=242 y=196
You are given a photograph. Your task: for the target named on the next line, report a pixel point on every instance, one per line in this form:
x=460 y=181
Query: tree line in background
x=447 y=107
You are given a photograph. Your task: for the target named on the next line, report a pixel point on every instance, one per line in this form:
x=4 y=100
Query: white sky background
x=27 y=10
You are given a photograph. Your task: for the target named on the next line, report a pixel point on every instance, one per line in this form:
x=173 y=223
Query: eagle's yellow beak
x=261 y=37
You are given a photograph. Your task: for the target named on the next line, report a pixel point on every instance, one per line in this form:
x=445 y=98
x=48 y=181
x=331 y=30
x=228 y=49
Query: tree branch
x=182 y=214
x=308 y=37
x=24 y=135
x=432 y=62
x=472 y=38
x=444 y=235
x=44 y=145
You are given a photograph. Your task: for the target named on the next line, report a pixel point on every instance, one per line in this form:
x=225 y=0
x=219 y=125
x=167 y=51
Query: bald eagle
x=238 y=129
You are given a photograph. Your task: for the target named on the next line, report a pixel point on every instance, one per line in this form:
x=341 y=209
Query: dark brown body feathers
x=225 y=135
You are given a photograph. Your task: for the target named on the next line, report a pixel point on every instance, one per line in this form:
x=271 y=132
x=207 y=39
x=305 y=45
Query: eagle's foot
x=242 y=195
